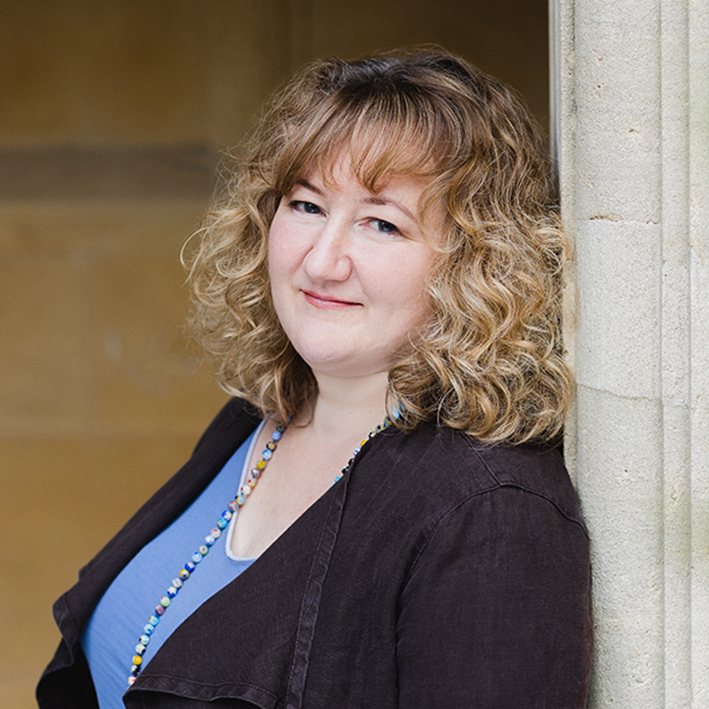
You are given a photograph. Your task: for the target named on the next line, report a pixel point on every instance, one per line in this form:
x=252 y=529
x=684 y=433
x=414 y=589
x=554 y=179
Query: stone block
x=46 y=368
x=85 y=230
x=123 y=71
x=147 y=376
x=621 y=487
x=108 y=172
x=132 y=71
x=617 y=101
x=618 y=268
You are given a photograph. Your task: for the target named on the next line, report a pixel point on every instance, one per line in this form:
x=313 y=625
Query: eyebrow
x=378 y=199
x=372 y=199
x=309 y=186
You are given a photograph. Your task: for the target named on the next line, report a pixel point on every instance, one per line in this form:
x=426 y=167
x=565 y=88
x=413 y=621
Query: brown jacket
x=438 y=573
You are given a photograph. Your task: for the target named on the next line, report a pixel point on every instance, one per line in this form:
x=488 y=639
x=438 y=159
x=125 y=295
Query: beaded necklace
x=209 y=541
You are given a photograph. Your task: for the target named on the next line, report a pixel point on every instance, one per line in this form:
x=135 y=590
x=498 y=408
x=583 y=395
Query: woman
x=385 y=265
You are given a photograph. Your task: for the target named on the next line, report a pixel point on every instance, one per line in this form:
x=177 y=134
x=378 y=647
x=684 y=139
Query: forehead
x=379 y=176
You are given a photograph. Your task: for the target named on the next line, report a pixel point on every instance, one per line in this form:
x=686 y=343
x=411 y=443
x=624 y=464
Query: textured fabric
x=438 y=573
x=115 y=625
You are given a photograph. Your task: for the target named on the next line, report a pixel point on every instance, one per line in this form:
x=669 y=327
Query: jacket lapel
x=252 y=640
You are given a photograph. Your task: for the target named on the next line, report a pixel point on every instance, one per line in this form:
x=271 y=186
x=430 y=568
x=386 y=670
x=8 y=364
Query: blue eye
x=306 y=207
x=384 y=227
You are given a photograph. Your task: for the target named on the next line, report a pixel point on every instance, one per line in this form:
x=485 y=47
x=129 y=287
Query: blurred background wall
x=112 y=118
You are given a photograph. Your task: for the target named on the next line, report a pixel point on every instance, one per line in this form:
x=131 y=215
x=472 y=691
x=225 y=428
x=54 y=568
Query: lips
x=327 y=302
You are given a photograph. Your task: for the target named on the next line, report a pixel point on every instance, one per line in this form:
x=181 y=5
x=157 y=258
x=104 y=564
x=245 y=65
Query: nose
x=329 y=256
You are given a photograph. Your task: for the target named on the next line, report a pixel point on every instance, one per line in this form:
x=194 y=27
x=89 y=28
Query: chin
x=340 y=365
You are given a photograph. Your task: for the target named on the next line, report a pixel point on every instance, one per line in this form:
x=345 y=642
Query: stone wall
x=632 y=88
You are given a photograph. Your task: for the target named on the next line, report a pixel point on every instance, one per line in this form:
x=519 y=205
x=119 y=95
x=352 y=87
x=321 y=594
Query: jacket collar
x=261 y=657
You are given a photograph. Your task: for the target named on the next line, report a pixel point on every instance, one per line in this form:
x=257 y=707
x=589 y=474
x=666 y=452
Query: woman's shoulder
x=450 y=466
x=235 y=415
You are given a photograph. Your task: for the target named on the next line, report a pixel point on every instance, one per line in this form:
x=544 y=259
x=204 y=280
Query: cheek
x=406 y=287
x=280 y=257
x=288 y=244
x=277 y=270
x=402 y=306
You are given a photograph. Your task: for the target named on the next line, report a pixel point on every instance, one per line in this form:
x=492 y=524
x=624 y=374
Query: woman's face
x=348 y=269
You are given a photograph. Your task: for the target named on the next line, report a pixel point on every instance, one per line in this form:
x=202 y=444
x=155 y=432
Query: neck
x=348 y=406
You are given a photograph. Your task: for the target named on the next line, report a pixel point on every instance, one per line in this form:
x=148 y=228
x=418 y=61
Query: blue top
x=117 y=622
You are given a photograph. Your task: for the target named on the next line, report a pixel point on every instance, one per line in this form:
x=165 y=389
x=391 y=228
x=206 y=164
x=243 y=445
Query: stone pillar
x=630 y=86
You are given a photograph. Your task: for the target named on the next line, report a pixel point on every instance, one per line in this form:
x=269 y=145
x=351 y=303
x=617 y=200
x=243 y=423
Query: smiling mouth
x=327 y=302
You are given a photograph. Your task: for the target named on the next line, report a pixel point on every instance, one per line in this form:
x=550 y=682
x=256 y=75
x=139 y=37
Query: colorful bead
x=215 y=534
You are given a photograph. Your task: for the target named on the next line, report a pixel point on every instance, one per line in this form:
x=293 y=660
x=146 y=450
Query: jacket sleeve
x=496 y=610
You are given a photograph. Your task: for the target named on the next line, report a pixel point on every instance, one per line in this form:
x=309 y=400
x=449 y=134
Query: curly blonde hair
x=489 y=361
